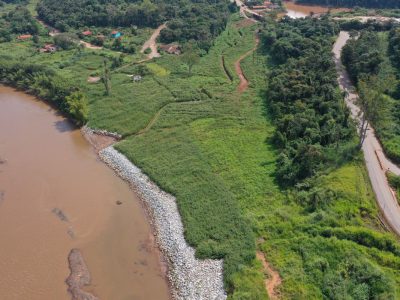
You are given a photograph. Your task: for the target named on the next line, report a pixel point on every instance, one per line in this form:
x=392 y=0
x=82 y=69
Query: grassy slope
x=222 y=148
x=214 y=155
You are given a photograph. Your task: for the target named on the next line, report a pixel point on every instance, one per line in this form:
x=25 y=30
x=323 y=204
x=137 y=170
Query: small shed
x=87 y=33
x=116 y=34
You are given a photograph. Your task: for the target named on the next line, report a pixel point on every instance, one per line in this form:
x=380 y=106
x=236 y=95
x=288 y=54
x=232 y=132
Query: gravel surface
x=190 y=278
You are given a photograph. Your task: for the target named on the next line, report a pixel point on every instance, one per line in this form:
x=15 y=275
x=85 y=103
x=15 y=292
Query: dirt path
x=90 y=46
x=376 y=161
x=244 y=10
x=54 y=32
x=244 y=83
x=152 y=43
x=274 y=279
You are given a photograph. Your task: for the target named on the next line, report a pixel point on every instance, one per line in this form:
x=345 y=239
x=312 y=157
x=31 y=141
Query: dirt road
x=152 y=43
x=244 y=83
x=244 y=10
x=376 y=161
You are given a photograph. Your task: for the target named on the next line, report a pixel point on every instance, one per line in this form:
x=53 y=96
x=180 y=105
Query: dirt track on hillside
x=244 y=83
x=274 y=279
x=152 y=43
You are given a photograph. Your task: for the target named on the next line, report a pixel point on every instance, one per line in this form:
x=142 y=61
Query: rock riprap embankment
x=190 y=278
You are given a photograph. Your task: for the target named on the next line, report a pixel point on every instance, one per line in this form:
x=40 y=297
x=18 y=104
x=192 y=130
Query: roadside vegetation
x=274 y=169
x=372 y=64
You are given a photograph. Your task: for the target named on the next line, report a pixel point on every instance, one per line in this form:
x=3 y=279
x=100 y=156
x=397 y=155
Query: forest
x=354 y=3
x=207 y=19
x=313 y=126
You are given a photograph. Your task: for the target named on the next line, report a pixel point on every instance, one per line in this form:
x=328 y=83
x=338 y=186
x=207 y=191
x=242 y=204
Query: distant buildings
x=171 y=49
x=116 y=34
x=87 y=33
x=48 y=48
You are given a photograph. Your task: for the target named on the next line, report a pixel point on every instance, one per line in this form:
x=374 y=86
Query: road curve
x=375 y=159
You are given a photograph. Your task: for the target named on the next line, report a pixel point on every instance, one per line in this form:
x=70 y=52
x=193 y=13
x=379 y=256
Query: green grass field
x=210 y=146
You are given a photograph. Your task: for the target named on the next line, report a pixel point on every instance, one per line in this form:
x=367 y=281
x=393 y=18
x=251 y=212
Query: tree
x=190 y=57
x=107 y=78
x=66 y=41
x=78 y=107
x=373 y=105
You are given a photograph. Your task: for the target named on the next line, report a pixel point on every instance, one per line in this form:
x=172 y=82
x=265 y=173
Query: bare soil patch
x=244 y=83
x=274 y=279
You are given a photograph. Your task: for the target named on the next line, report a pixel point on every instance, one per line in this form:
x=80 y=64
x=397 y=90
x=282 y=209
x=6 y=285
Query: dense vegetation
x=312 y=123
x=207 y=19
x=314 y=131
x=45 y=84
x=17 y=21
x=369 y=61
x=353 y=3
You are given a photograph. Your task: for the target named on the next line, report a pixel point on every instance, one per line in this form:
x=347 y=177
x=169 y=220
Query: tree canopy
x=303 y=93
x=187 y=20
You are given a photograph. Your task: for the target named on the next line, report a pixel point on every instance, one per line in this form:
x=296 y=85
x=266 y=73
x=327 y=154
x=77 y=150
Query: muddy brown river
x=55 y=195
x=300 y=11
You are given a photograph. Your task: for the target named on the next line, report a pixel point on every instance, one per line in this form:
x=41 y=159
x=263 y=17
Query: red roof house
x=87 y=33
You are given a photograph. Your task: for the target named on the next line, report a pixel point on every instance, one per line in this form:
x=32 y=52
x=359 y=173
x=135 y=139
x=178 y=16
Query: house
x=171 y=49
x=116 y=34
x=24 y=37
x=48 y=48
x=87 y=33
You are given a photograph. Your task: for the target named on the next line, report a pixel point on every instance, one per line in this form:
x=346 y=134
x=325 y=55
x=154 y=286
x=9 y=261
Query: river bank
x=57 y=196
x=190 y=278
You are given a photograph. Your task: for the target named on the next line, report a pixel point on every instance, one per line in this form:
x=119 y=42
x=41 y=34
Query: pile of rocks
x=190 y=278
x=88 y=130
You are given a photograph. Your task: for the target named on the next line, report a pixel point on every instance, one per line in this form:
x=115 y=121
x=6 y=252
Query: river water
x=300 y=11
x=55 y=195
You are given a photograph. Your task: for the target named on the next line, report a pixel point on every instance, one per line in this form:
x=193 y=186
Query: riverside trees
x=47 y=85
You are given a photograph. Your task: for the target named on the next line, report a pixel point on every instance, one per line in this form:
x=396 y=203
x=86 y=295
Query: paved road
x=376 y=162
